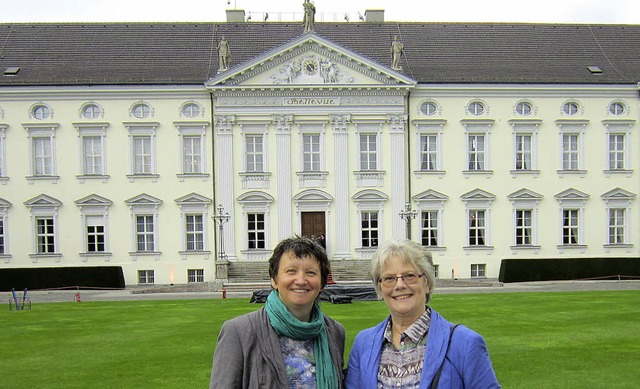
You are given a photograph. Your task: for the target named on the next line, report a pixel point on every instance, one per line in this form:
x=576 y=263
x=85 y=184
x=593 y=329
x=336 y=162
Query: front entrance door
x=313 y=225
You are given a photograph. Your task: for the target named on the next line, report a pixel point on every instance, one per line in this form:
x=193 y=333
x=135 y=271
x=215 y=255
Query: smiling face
x=299 y=283
x=406 y=302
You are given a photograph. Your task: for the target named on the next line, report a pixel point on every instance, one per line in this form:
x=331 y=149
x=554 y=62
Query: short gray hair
x=411 y=253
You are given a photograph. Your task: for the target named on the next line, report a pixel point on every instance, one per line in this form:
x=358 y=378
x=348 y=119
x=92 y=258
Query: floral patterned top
x=402 y=368
x=300 y=362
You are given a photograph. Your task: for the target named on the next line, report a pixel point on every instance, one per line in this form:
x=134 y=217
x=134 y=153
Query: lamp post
x=221 y=217
x=407 y=214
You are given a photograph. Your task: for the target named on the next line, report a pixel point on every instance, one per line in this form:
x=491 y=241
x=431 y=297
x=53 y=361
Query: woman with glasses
x=415 y=347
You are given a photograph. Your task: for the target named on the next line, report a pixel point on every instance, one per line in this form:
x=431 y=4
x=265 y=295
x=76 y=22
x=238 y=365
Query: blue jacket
x=467 y=364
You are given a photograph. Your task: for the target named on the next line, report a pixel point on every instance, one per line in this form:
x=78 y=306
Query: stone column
x=342 y=222
x=397 y=130
x=223 y=131
x=283 y=174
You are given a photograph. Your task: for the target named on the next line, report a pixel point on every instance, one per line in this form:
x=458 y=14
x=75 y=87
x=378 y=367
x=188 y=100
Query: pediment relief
x=309 y=60
x=571 y=194
x=43 y=200
x=93 y=199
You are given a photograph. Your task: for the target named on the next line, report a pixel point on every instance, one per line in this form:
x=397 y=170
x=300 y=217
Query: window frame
x=144 y=206
x=195 y=276
x=140 y=132
x=623 y=129
x=141 y=110
x=93 y=131
x=3 y=154
x=188 y=131
x=41 y=111
x=478 y=270
x=146 y=277
x=187 y=110
x=575 y=129
x=94 y=207
x=44 y=207
x=434 y=108
x=193 y=205
x=91 y=111
x=45 y=132
x=618 y=200
x=571 y=207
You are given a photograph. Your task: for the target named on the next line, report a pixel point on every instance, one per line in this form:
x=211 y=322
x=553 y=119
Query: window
x=3 y=160
x=311 y=152
x=91 y=111
x=572 y=208
x=191 y=110
x=570 y=108
x=369 y=228
x=477 y=227
x=619 y=151
x=476 y=155
x=478 y=207
x=616 y=226
x=95 y=234
x=194 y=208
x=429 y=108
x=43 y=151
x=256 y=209
x=524 y=227
x=616 y=152
x=570 y=226
x=3 y=249
x=192 y=148
x=45 y=236
x=429 y=228
x=142 y=150
x=192 y=154
x=525 y=144
x=256 y=231
x=146 y=277
x=478 y=270
x=618 y=208
x=429 y=152
x=570 y=152
x=617 y=108
x=40 y=112
x=142 y=155
x=141 y=110
x=523 y=152
x=94 y=210
x=44 y=216
x=525 y=214
x=93 y=155
x=144 y=219
x=42 y=156
x=144 y=233
x=195 y=232
x=254 y=153
x=476 y=108
x=4 y=207
x=524 y=108
x=368 y=152
x=195 y=275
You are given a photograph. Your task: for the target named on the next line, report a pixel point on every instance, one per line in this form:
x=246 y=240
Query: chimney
x=235 y=16
x=374 y=15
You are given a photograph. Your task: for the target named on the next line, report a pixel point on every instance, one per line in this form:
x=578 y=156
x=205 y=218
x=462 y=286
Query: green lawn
x=536 y=340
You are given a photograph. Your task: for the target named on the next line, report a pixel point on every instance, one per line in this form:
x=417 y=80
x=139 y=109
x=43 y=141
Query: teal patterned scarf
x=284 y=323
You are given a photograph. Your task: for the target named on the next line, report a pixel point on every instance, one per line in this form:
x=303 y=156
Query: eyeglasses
x=408 y=278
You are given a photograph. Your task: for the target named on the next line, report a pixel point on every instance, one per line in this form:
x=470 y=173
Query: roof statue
x=397 y=49
x=308 y=22
x=224 y=55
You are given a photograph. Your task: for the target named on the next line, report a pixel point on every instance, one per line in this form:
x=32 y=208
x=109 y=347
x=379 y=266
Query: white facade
x=90 y=184
x=312 y=138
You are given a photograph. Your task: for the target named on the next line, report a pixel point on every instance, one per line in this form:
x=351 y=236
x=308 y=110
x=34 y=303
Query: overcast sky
x=552 y=11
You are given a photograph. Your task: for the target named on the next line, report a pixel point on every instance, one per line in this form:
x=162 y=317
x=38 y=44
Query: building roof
x=186 y=53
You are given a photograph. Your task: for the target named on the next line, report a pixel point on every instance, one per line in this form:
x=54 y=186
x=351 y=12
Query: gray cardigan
x=248 y=353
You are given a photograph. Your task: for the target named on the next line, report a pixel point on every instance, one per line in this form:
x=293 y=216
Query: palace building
x=127 y=144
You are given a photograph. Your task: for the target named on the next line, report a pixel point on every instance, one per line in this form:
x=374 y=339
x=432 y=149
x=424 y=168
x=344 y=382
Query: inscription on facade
x=289 y=101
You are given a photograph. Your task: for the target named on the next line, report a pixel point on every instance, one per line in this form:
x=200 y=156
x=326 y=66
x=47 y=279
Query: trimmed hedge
x=550 y=269
x=97 y=277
